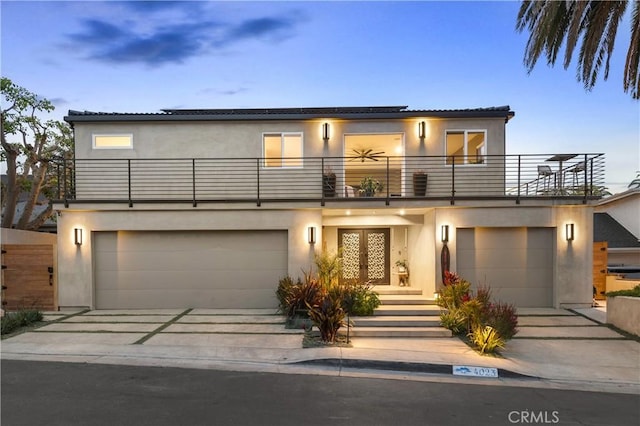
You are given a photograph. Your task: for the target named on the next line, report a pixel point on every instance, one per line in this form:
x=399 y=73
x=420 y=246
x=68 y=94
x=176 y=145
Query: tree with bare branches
x=29 y=145
x=591 y=24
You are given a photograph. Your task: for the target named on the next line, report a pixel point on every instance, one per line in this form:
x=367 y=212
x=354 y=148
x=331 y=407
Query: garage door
x=517 y=263
x=210 y=269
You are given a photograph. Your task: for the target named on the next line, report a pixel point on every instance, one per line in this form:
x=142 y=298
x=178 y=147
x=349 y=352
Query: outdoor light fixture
x=444 y=233
x=312 y=234
x=77 y=236
x=325 y=131
x=422 y=129
x=568 y=231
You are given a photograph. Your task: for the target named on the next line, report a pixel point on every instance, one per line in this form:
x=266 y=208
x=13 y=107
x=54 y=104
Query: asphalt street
x=51 y=393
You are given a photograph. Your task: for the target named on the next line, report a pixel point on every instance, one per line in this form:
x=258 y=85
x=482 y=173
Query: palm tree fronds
x=589 y=26
x=632 y=63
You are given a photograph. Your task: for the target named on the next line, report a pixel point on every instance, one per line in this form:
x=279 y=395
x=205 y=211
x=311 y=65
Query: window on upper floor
x=466 y=146
x=282 y=150
x=113 y=141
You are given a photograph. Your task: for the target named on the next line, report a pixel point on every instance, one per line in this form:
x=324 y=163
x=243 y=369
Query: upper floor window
x=282 y=149
x=466 y=146
x=113 y=141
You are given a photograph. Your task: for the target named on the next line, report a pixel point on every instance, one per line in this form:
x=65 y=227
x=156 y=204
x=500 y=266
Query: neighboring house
x=617 y=221
x=209 y=208
x=41 y=205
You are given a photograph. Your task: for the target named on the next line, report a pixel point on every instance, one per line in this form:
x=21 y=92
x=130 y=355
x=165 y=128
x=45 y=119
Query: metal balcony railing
x=329 y=179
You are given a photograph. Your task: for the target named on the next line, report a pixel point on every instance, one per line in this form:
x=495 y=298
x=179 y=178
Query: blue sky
x=145 y=56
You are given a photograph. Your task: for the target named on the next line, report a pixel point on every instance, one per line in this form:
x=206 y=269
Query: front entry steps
x=403 y=312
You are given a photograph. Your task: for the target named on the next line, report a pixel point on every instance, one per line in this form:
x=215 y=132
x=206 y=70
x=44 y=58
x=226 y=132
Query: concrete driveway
x=563 y=348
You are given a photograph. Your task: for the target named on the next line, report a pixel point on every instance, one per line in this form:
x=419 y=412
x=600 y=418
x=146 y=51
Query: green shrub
x=359 y=299
x=634 y=292
x=473 y=312
x=11 y=321
x=328 y=314
x=486 y=339
x=454 y=321
x=452 y=298
x=285 y=287
x=29 y=317
x=464 y=312
x=453 y=295
x=329 y=266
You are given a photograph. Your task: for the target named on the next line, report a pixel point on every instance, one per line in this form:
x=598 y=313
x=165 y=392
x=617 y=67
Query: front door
x=365 y=254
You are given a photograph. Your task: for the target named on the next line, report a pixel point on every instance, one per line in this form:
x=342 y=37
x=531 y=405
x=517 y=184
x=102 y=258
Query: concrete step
x=399 y=299
x=407 y=310
x=397 y=321
x=400 y=332
x=387 y=289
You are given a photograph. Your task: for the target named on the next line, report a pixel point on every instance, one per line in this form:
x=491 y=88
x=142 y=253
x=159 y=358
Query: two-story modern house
x=210 y=208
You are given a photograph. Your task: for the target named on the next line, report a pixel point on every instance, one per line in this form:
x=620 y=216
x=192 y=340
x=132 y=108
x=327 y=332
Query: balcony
x=576 y=177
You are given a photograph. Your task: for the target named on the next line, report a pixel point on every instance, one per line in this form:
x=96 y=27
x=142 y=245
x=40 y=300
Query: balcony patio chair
x=349 y=191
x=575 y=172
x=544 y=174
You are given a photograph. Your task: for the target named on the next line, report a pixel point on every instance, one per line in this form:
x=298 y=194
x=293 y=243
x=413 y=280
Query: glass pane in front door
x=365 y=254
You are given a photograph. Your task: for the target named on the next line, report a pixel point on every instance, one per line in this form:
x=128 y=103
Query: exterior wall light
x=326 y=130
x=422 y=129
x=444 y=233
x=569 y=231
x=311 y=231
x=77 y=236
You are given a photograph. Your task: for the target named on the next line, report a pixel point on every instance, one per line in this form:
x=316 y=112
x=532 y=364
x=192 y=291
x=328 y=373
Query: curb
x=411 y=367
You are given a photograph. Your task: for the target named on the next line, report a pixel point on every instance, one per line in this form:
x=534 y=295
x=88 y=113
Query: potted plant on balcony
x=328 y=183
x=369 y=186
x=419 y=183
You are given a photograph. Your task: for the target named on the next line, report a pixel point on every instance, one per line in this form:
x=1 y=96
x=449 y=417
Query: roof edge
x=257 y=114
x=619 y=196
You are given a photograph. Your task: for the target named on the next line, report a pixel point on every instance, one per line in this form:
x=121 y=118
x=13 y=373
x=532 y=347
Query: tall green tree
x=591 y=25
x=29 y=144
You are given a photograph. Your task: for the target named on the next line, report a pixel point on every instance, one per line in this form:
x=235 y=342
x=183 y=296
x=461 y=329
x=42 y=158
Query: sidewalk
x=554 y=348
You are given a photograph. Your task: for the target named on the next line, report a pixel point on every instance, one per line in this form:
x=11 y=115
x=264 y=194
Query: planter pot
x=298 y=323
x=419 y=184
x=624 y=313
x=328 y=186
x=300 y=320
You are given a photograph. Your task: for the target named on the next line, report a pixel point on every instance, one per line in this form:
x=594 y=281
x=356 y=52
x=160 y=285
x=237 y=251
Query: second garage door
x=208 y=269
x=517 y=263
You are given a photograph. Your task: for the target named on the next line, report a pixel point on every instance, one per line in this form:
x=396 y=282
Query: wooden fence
x=28 y=277
x=600 y=269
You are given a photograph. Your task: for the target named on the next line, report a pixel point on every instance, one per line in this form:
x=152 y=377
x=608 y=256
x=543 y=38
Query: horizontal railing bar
x=303 y=179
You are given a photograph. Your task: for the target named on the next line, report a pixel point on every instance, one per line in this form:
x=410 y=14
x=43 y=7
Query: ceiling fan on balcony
x=365 y=154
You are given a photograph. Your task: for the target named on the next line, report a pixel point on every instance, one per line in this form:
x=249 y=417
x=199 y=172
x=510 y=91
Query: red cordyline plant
x=328 y=314
x=451 y=278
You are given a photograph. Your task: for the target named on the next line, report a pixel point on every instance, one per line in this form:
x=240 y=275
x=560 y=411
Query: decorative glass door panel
x=365 y=254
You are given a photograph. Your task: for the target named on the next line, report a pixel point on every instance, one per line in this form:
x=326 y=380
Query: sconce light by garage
x=422 y=130
x=325 y=132
x=77 y=236
x=569 y=231
x=311 y=231
x=444 y=233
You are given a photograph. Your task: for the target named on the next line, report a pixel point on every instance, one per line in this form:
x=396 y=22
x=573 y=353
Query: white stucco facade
x=412 y=224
